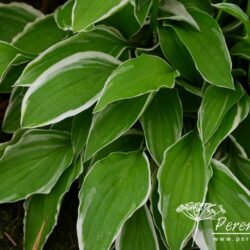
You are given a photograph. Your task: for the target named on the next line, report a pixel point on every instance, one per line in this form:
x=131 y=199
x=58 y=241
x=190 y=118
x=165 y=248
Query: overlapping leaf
x=39 y=35
x=101 y=39
x=215 y=105
x=183 y=177
x=41 y=211
x=88 y=12
x=40 y=155
x=113 y=189
x=131 y=141
x=162 y=122
x=175 y=10
x=136 y=77
x=203 y=5
x=63 y=15
x=138 y=232
x=225 y=190
x=80 y=129
x=237 y=12
x=142 y=8
x=8 y=56
x=12 y=116
x=238 y=163
x=67 y=88
x=14 y=17
x=177 y=54
x=123 y=114
x=229 y=123
x=218 y=72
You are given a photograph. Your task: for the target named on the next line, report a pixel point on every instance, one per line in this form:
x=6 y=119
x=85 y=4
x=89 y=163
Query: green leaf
x=63 y=15
x=183 y=177
x=124 y=20
x=39 y=35
x=64 y=125
x=203 y=5
x=80 y=129
x=218 y=72
x=226 y=191
x=238 y=163
x=229 y=123
x=142 y=8
x=240 y=135
x=12 y=116
x=131 y=141
x=136 y=77
x=88 y=12
x=41 y=211
x=157 y=217
x=73 y=85
x=14 y=17
x=241 y=49
x=215 y=104
x=14 y=139
x=101 y=39
x=176 y=11
x=177 y=54
x=123 y=114
x=138 y=232
x=25 y=164
x=8 y=55
x=162 y=122
x=112 y=191
x=236 y=11
x=10 y=76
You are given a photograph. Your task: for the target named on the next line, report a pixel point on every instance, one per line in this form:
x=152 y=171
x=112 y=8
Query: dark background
x=46 y=6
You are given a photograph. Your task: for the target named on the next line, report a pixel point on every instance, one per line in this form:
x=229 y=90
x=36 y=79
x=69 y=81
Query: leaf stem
x=220 y=12
x=154 y=20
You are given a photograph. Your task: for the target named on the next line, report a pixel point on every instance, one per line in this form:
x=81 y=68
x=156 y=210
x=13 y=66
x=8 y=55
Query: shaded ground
x=63 y=237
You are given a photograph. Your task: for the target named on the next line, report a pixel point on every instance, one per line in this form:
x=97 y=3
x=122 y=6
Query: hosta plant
x=145 y=104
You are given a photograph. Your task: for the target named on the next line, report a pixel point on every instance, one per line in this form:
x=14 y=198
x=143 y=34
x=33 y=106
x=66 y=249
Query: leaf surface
x=112 y=191
x=177 y=54
x=215 y=104
x=8 y=54
x=12 y=116
x=39 y=35
x=63 y=15
x=226 y=191
x=214 y=63
x=142 y=8
x=138 y=232
x=229 y=123
x=67 y=88
x=183 y=178
x=113 y=121
x=40 y=155
x=42 y=210
x=80 y=129
x=136 y=77
x=203 y=5
x=176 y=11
x=14 y=17
x=162 y=122
x=88 y=12
x=238 y=163
x=101 y=39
